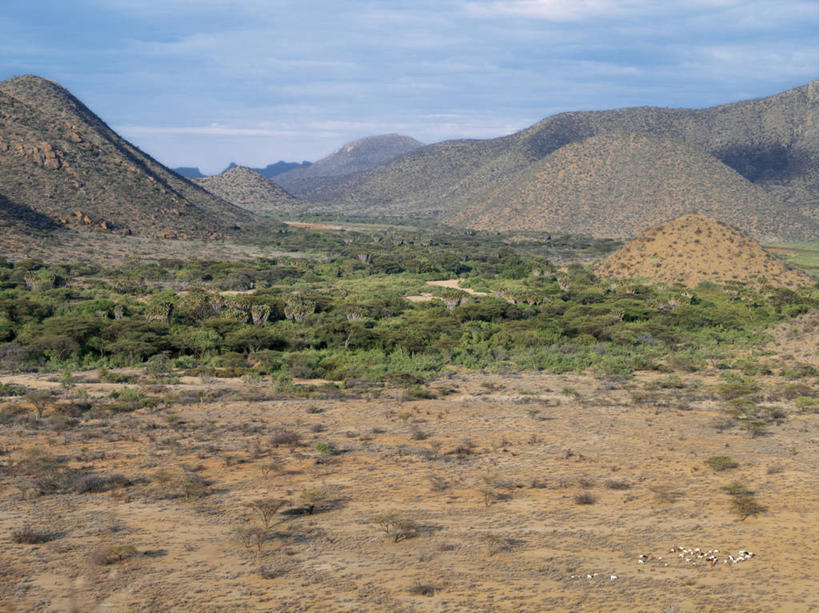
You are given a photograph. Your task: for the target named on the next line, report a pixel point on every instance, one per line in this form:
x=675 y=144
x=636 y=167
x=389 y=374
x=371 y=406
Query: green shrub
x=721 y=463
x=9 y=389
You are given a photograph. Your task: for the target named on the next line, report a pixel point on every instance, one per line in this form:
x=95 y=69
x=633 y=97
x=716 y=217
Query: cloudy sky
x=206 y=82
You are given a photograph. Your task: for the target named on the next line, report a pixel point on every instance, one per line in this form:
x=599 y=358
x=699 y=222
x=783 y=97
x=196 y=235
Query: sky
x=208 y=82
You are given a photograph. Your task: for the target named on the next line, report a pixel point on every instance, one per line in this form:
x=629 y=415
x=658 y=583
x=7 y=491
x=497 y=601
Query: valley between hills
x=575 y=368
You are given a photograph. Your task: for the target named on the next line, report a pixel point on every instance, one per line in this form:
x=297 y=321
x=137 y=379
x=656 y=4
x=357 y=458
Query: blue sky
x=206 y=82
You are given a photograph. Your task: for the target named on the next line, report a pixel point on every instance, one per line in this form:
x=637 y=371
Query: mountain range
x=764 y=155
x=753 y=164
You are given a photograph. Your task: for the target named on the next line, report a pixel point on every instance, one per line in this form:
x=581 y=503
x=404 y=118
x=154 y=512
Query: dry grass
x=388 y=522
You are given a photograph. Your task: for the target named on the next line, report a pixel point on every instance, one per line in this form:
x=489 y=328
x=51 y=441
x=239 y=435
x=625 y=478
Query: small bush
x=756 y=427
x=106 y=555
x=396 y=526
x=316 y=499
x=584 y=498
x=807 y=404
x=745 y=505
x=9 y=389
x=736 y=489
x=267 y=510
x=721 y=463
x=614 y=484
x=495 y=543
x=252 y=537
x=29 y=535
x=324 y=448
x=423 y=589
x=284 y=437
x=90 y=483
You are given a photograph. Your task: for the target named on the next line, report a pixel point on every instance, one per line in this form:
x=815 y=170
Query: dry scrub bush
x=106 y=554
x=30 y=535
x=721 y=463
x=422 y=589
x=615 y=484
x=745 y=505
x=584 y=498
x=396 y=526
x=252 y=537
x=286 y=438
x=316 y=499
x=496 y=543
x=267 y=509
x=665 y=494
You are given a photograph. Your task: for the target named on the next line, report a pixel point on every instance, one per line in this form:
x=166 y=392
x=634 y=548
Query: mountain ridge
x=62 y=160
x=620 y=184
x=772 y=142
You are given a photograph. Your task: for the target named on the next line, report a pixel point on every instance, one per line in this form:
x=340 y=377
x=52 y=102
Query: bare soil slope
x=696 y=248
x=61 y=160
x=248 y=189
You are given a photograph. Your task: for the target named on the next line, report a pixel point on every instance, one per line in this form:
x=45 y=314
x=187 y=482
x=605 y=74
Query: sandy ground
x=490 y=472
x=313 y=226
x=448 y=283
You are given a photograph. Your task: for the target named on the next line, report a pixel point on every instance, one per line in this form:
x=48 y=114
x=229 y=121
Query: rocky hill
x=695 y=248
x=60 y=160
x=20 y=226
x=248 y=189
x=771 y=142
x=618 y=185
x=351 y=158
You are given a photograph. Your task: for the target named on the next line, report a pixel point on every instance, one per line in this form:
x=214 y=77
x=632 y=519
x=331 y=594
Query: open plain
x=503 y=491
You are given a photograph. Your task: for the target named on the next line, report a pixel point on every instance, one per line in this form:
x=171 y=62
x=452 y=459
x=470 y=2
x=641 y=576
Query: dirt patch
x=312 y=226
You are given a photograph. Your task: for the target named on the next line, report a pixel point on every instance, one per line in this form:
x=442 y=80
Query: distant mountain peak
x=352 y=157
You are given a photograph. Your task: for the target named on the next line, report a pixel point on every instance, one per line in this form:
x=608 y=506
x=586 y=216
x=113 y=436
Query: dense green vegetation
x=804 y=254
x=342 y=313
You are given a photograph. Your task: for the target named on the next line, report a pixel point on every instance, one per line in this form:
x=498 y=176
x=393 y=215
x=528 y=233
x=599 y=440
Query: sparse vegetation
x=721 y=463
x=30 y=535
x=398 y=527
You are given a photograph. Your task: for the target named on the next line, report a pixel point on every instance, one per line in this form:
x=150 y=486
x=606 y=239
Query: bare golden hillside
x=696 y=248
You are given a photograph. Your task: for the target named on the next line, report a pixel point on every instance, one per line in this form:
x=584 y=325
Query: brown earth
x=696 y=248
x=529 y=492
x=60 y=160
